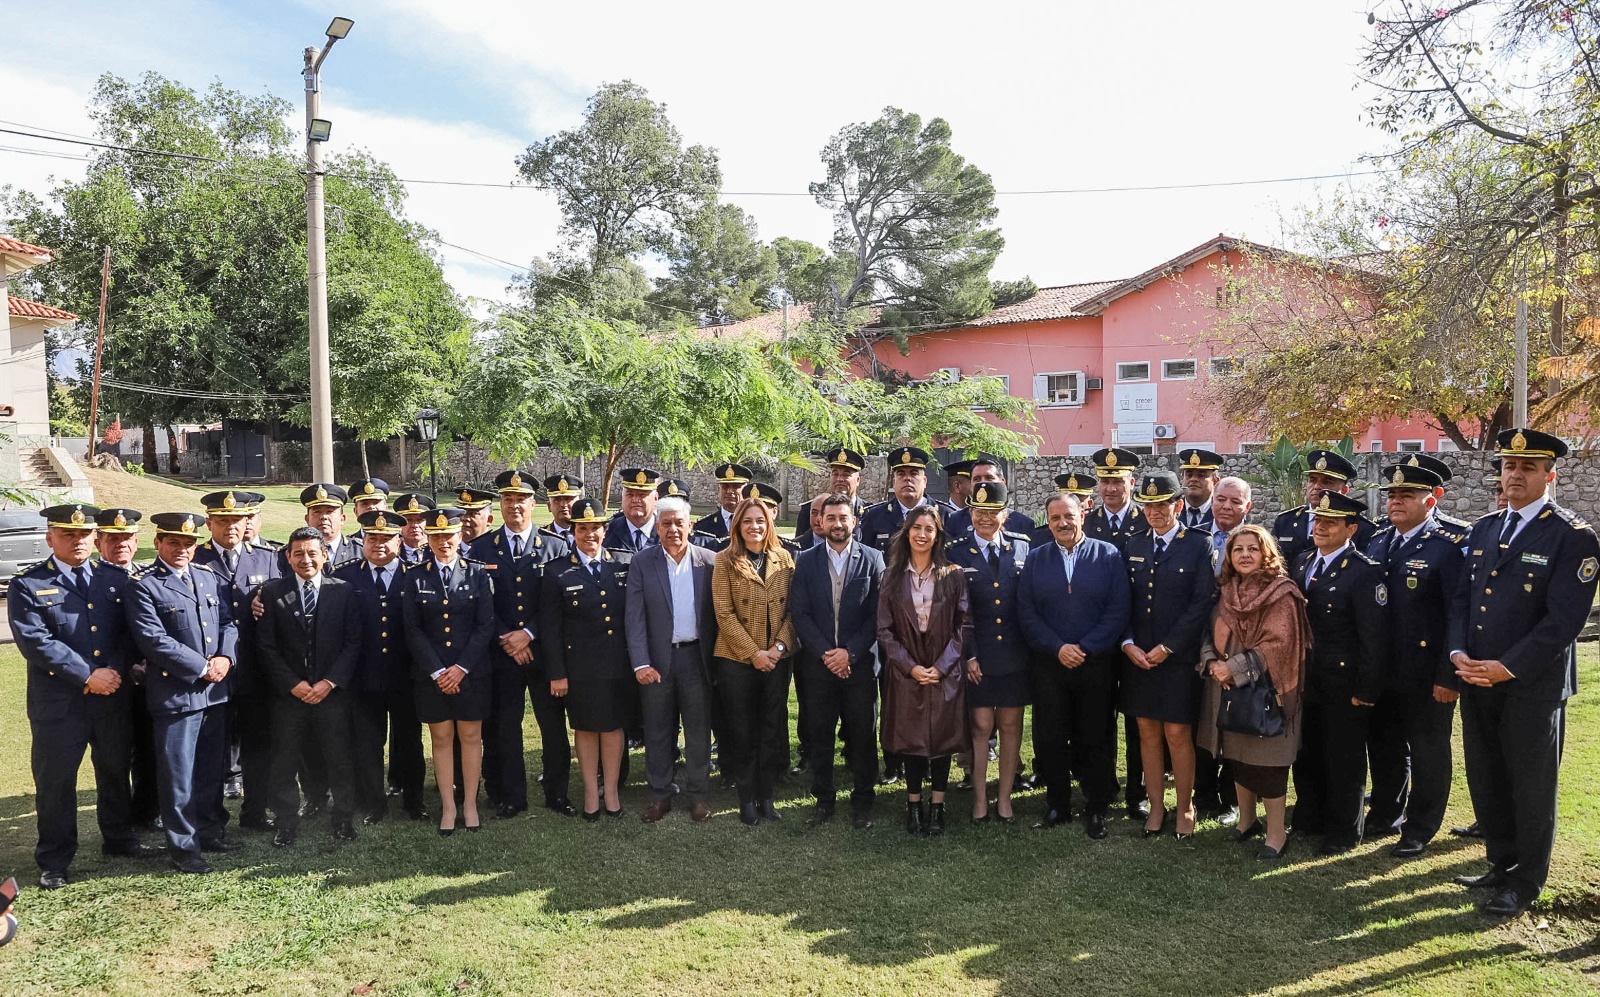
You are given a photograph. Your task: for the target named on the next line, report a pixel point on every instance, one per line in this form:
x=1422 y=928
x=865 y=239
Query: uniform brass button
x=608 y=620
x=1488 y=591
x=444 y=616
x=383 y=619
x=446 y=643
x=519 y=609
x=91 y=605
x=97 y=653
x=1422 y=643
x=384 y=634
x=996 y=584
x=164 y=675
x=92 y=629
x=602 y=605
x=999 y=636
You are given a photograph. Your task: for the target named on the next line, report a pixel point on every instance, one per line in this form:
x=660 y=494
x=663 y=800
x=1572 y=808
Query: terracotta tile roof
x=23 y=308
x=768 y=326
x=19 y=248
x=1049 y=303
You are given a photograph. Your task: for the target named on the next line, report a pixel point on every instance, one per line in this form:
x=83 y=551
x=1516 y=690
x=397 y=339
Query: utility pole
x=99 y=348
x=317 y=131
x=1519 y=374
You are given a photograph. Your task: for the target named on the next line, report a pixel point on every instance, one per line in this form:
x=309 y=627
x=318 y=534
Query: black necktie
x=516 y=545
x=594 y=569
x=638 y=542
x=230 y=558
x=1116 y=523
x=1161 y=546
x=377 y=579
x=1317 y=565
x=447 y=576
x=1512 y=519
x=994 y=558
x=80 y=578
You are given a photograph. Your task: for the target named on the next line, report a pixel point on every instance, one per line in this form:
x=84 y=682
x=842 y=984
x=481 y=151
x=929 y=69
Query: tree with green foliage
x=719 y=271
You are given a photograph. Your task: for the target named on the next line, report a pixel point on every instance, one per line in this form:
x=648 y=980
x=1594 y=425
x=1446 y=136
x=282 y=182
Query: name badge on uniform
x=1136 y=560
x=48 y=592
x=1477 y=553
x=255 y=579
x=1538 y=559
x=1417 y=563
x=574 y=588
x=491 y=567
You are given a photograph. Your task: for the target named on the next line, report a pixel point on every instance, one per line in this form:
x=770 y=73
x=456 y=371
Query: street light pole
x=317 y=258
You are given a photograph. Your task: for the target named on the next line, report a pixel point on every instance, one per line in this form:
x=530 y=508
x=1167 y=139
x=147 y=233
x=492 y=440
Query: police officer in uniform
x=958 y=483
x=1069 y=483
x=324 y=506
x=1529 y=583
x=414 y=508
x=731 y=479
x=1455 y=529
x=844 y=477
x=1347 y=602
x=909 y=468
x=181 y=618
x=366 y=495
x=1199 y=469
x=991 y=558
x=381 y=686
x=1329 y=472
x=116 y=540
x=477 y=512
x=1408 y=742
x=634 y=527
x=560 y=491
x=246 y=567
x=582 y=633
x=959 y=524
x=515 y=557
x=68 y=621
x=1114 y=519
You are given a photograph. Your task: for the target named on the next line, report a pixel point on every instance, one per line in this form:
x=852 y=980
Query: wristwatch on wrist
x=779 y=645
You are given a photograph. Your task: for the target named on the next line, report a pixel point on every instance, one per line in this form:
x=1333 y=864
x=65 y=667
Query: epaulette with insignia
x=203 y=567
x=1361 y=556
x=35 y=566
x=1012 y=535
x=349 y=560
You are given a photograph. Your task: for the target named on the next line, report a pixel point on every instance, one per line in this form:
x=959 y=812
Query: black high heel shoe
x=615 y=814
x=592 y=816
x=1156 y=833
x=474 y=828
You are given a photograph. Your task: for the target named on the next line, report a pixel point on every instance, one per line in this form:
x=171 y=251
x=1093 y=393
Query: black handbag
x=1252 y=709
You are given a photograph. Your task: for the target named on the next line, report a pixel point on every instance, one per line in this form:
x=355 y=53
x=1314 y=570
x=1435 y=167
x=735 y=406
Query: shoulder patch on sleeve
x=1588 y=569
x=1381 y=594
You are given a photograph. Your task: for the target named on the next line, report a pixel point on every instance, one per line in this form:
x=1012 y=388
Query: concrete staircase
x=39 y=474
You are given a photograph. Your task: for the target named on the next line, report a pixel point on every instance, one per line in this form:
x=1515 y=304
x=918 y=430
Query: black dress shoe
x=935 y=820
x=1372 y=832
x=137 y=850
x=344 y=831
x=395 y=791
x=233 y=790
x=157 y=824
x=1491 y=880
x=310 y=810
x=592 y=816
x=218 y=845
x=192 y=865
x=376 y=817
x=52 y=879
x=1094 y=825
x=562 y=806
x=1256 y=829
x=1053 y=818
x=283 y=838
x=506 y=811
x=860 y=820
x=768 y=811
x=749 y=816
x=1470 y=831
x=615 y=814
x=1330 y=848
x=417 y=812
x=257 y=823
x=1506 y=903
x=1139 y=811
x=822 y=813
x=1408 y=848
x=799 y=768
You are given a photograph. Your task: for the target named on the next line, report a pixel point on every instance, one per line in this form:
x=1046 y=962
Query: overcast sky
x=1066 y=95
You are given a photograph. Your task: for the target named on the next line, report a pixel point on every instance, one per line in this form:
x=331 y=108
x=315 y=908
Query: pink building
x=1124 y=362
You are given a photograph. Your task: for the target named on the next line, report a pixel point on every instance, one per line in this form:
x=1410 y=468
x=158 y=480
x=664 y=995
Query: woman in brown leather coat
x=924 y=636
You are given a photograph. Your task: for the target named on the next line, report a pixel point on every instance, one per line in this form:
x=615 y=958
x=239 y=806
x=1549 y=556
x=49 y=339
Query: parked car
x=21 y=541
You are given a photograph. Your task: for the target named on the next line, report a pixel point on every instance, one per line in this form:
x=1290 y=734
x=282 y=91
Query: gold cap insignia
x=727 y=472
x=1399 y=476
x=905 y=457
x=982 y=494
x=121 y=520
x=1414 y=462
x=1519 y=442
x=1322 y=464
x=1194 y=459
x=516 y=480
x=411 y=505
x=1111 y=460
x=561 y=485
x=466 y=496
x=322 y=492
x=77 y=516
x=1324 y=503
x=188 y=524
x=1150 y=487
x=228 y=501
x=367 y=489
x=641 y=478
x=442 y=522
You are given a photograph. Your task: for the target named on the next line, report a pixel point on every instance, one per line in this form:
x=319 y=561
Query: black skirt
x=599 y=705
x=470 y=703
x=1169 y=692
x=998 y=691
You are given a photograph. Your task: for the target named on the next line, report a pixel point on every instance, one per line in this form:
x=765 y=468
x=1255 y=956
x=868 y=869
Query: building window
x=1377 y=446
x=1223 y=367
x=1252 y=448
x=1005 y=385
x=1447 y=445
x=1140 y=448
x=1058 y=388
x=1228 y=296
x=1138 y=371
x=1409 y=446
x=1179 y=370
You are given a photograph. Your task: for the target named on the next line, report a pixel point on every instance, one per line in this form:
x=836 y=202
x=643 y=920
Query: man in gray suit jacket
x=672 y=629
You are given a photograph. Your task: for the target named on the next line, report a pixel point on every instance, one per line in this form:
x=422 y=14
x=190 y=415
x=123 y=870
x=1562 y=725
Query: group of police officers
x=163 y=673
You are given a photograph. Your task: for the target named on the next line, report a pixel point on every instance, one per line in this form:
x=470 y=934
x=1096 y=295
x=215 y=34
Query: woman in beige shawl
x=1259 y=625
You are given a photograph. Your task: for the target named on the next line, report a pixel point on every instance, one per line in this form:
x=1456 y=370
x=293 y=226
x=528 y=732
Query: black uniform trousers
x=826 y=702
x=250 y=752
x=505 y=771
x=297 y=725
x=369 y=723
x=1071 y=736
x=1513 y=752
x=555 y=750
x=755 y=717
x=1408 y=747
x=406 y=766
x=1330 y=774
x=103 y=730
x=142 y=757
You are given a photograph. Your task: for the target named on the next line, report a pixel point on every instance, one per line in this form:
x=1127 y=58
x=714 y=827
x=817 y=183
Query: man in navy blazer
x=672 y=628
x=181 y=617
x=66 y=615
x=836 y=654
x=1073 y=603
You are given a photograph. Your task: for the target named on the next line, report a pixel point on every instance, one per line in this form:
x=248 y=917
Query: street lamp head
x=320 y=129
x=339 y=27
x=428 y=425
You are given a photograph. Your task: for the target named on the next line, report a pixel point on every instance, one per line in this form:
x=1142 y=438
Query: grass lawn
x=546 y=904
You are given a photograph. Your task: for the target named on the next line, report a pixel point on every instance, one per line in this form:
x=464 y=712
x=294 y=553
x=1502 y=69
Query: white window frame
x=1174 y=377
x=1143 y=449
x=1249 y=446
x=1410 y=446
x=1447 y=445
x=1211 y=367
x=1004 y=379
x=1132 y=363
x=1377 y=446
x=1041 y=393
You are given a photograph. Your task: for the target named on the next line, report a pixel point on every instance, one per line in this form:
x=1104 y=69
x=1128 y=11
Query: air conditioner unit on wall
x=1166 y=431
x=1094 y=384
x=951 y=373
